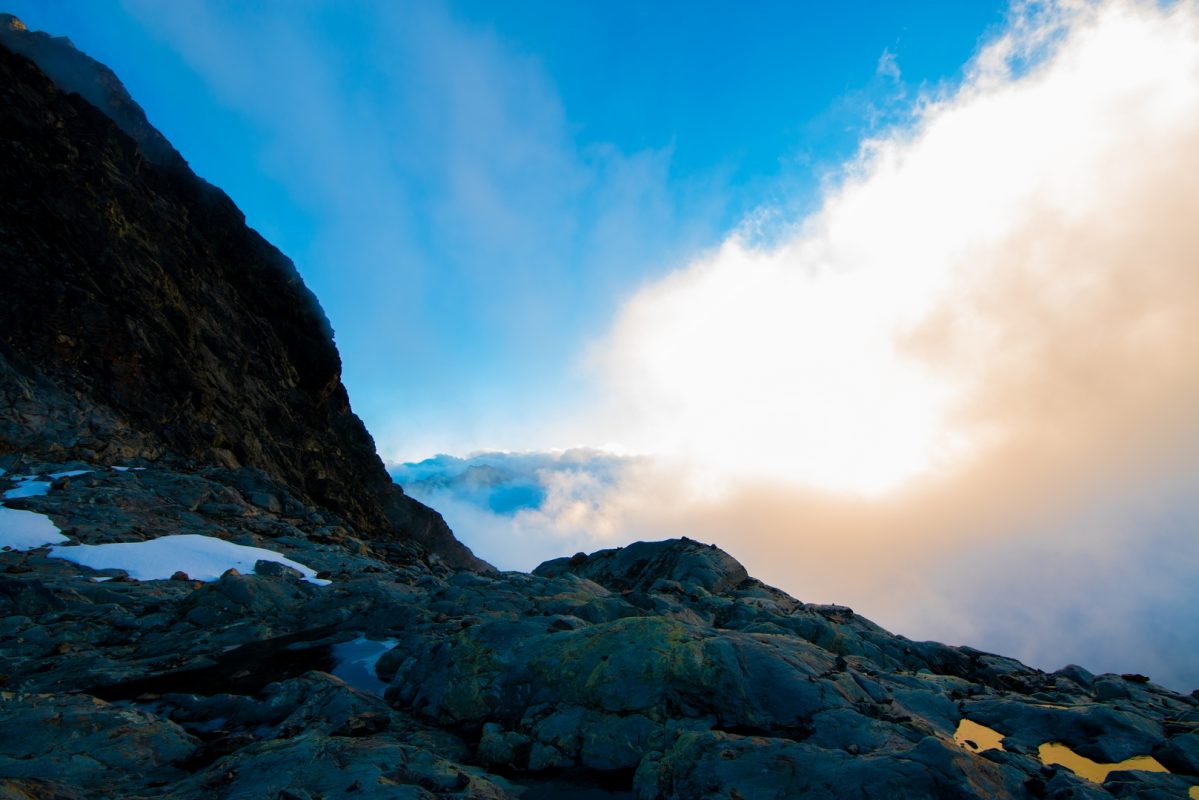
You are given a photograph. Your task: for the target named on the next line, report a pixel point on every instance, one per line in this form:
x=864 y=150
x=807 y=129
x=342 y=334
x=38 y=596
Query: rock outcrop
x=666 y=674
x=164 y=373
x=74 y=71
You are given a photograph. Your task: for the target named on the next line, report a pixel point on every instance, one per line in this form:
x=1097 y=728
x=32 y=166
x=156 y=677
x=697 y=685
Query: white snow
x=71 y=473
x=203 y=558
x=29 y=486
x=25 y=530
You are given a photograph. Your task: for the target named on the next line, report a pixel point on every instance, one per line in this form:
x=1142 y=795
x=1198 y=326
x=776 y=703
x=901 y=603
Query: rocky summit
x=209 y=587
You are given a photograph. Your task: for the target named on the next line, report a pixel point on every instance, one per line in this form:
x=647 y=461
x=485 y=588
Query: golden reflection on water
x=977 y=738
x=1193 y=793
x=1056 y=753
x=980 y=736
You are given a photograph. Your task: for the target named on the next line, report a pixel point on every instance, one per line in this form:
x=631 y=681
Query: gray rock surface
x=697 y=682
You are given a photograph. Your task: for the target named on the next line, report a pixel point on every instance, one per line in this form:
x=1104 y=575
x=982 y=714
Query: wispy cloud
x=455 y=220
x=888 y=66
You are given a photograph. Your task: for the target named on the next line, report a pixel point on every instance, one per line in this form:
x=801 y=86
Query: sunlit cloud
x=961 y=395
x=996 y=269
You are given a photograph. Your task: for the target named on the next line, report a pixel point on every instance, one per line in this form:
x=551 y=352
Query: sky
x=896 y=302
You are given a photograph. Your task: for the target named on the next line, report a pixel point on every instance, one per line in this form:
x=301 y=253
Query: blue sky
x=472 y=188
x=896 y=302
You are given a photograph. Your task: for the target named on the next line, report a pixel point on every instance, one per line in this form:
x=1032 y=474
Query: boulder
x=690 y=565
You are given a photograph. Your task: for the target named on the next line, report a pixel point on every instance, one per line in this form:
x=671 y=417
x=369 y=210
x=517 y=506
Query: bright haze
x=897 y=303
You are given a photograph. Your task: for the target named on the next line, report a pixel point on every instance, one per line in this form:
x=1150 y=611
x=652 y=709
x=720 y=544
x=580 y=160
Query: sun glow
x=984 y=272
x=832 y=404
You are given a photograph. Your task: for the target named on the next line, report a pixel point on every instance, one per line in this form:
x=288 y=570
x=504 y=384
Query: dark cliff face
x=77 y=72
x=142 y=318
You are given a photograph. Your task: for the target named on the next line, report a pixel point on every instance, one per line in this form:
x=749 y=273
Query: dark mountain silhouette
x=144 y=319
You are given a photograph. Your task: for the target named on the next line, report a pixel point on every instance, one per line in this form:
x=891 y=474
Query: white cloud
x=962 y=265
x=960 y=396
x=516 y=510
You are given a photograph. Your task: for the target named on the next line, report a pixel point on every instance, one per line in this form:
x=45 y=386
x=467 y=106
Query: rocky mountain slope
x=208 y=588
x=143 y=319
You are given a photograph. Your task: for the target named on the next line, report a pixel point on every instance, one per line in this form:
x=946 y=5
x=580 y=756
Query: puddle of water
x=241 y=670
x=355 y=663
x=977 y=738
x=980 y=736
x=1057 y=753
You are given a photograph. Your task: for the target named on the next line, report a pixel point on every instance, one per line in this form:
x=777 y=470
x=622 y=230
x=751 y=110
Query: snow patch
x=203 y=558
x=71 y=473
x=27 y=486
x=30 y=486
x=25 y=530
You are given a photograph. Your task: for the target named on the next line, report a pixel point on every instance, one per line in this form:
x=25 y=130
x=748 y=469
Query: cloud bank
x=520 y=509
x=961 y=395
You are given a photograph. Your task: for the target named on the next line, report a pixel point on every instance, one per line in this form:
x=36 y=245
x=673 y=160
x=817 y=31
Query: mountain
x=144 y=319
x=209 y=587
x=74 y=71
